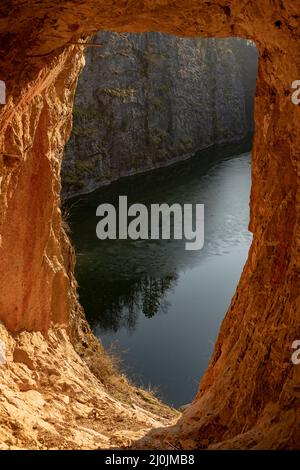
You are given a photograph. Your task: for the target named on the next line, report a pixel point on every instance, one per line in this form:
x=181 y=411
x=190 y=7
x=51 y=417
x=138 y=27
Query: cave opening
x=247 y=398
x=161 y=120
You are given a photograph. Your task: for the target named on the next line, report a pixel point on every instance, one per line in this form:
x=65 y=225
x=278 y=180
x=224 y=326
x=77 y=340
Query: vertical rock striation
x=148 y=100
x=34 y=280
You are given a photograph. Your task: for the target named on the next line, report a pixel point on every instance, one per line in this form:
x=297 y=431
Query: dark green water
x=158 y=304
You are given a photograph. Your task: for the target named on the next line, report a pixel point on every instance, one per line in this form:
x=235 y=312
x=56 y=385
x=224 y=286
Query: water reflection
x=122 y=302
x=164 y=304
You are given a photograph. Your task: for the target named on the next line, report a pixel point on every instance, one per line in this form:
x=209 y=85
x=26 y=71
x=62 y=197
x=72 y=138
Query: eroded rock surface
x=51 y=399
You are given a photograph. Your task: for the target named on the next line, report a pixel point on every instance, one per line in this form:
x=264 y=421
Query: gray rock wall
x=148 y=100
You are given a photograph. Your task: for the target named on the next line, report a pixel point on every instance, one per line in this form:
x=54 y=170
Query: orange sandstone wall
x=250 y=393
x=34 y=279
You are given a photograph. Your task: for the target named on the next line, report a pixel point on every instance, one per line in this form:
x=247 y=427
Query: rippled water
x=158 y=304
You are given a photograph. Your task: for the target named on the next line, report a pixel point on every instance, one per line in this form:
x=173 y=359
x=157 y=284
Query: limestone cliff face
x=249 y=396
x=148 y=100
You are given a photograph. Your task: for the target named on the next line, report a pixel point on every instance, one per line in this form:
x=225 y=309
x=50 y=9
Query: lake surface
x=157 y=305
